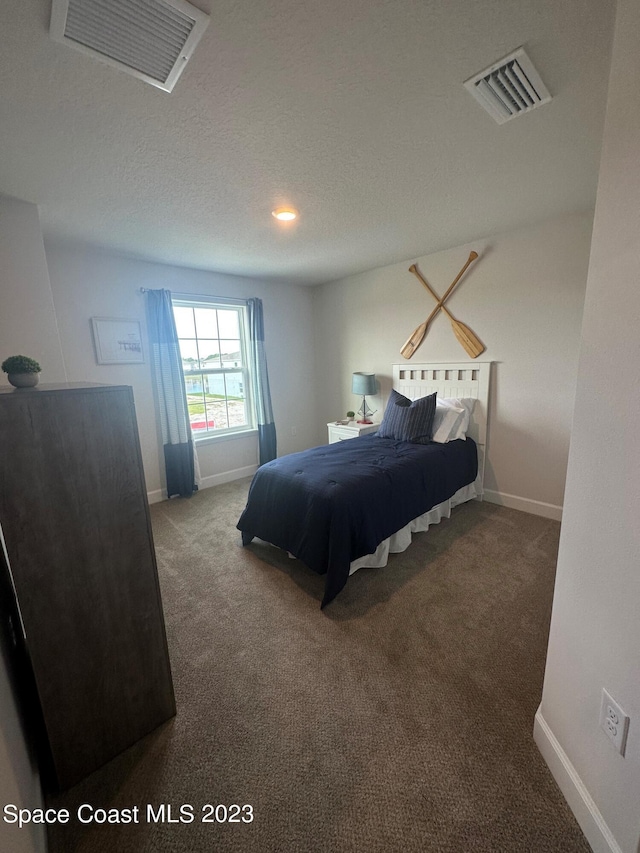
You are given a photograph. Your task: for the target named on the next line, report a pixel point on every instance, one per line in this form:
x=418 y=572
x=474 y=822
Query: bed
x=345 y=506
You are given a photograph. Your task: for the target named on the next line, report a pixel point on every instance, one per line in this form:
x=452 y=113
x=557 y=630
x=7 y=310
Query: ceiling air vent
x=151 y=39
x=509 y=88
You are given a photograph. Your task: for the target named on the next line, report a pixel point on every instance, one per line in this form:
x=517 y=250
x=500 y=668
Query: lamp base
x=365 y=411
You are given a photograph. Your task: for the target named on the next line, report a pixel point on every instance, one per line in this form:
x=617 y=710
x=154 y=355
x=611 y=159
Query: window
x=212 y=338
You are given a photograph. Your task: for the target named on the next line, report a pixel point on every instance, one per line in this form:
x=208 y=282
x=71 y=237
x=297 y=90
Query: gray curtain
x=171 y=396
x=261 y=392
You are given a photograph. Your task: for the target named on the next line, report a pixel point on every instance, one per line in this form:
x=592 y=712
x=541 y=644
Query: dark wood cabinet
x=78 y=548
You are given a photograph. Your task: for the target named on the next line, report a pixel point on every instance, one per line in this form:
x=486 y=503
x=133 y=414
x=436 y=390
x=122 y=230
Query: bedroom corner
x=524 y=297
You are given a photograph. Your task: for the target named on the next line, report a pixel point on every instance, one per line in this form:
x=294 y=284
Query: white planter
x=23 y=380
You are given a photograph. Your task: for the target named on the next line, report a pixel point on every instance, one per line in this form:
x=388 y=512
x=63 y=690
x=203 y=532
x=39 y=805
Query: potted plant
x=350 y=416
x=22 y=372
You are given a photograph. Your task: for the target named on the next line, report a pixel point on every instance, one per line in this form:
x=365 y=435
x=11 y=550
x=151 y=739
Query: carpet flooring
x=399 y=718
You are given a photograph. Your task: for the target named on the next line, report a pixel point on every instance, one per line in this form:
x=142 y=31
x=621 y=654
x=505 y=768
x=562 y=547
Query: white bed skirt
x=401 y=540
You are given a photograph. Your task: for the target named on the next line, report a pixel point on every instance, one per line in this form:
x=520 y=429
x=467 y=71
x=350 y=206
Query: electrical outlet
x=614 y=722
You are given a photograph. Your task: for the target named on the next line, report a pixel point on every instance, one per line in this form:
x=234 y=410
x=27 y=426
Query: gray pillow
x=405 y=420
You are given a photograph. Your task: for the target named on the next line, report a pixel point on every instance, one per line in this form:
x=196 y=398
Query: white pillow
x=459 y=429
x=446 y=421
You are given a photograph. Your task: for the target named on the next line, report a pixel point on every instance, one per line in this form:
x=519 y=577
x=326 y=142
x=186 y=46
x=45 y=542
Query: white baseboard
x=573 y=789
x=228 y=476
x=524 y=504
x=206 y=482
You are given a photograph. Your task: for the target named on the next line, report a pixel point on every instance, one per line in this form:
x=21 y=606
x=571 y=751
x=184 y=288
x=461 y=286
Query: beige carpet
x=398 y=719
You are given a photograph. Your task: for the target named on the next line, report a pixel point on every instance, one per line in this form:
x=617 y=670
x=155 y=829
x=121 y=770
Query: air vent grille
x=509 y=88
x=151 y=39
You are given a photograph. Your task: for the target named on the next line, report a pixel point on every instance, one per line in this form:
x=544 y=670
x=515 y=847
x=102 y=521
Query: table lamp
x=365 y=384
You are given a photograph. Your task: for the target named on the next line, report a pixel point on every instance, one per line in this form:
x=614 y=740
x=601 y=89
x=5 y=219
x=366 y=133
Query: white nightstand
x=341 y=432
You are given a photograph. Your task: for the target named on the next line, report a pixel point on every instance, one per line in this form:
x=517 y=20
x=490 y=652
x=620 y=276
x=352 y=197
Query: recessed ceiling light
x=285 y=214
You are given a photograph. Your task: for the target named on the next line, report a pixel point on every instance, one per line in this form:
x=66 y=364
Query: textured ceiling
x=354 y=112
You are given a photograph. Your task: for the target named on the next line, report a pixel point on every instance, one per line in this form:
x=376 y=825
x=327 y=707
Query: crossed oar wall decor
x=472 y=344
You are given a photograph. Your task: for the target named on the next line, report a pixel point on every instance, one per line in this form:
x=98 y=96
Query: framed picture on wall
x=117 y=341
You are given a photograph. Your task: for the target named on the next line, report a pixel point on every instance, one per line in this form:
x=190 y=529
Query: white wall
x=523 y=298
x=27 y=317
x=595 y=629
x=89 y=283
x=27 y=327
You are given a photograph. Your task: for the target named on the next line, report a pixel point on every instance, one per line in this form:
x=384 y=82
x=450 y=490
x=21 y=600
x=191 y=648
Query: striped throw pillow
x=405 y=420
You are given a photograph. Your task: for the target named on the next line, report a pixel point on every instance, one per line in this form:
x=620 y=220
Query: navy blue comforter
x=332 y=504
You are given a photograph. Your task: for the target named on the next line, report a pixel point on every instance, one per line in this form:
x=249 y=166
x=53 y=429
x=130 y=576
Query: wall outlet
x=614 y=722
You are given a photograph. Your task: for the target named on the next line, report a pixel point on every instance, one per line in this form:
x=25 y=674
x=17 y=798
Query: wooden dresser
x=77 y=551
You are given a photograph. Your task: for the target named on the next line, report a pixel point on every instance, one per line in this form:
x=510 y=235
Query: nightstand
x=341 y=432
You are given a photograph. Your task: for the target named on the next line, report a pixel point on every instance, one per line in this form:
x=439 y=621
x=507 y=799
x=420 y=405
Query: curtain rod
x=199 y=297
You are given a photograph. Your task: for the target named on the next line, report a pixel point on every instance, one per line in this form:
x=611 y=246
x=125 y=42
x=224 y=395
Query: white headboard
x=467 y=379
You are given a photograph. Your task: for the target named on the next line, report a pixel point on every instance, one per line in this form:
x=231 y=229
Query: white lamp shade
x=364 y=383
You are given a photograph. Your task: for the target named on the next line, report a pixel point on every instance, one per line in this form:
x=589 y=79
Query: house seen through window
x=212 y=340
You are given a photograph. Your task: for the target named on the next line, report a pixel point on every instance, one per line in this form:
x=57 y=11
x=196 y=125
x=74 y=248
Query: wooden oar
x=416 y=338
x=412 y=343
x=472 y=344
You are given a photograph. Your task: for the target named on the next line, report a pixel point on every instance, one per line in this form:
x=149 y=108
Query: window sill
x=200 y=441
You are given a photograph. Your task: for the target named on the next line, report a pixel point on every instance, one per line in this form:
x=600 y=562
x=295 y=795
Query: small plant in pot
x=350 y=416
x=22 y=372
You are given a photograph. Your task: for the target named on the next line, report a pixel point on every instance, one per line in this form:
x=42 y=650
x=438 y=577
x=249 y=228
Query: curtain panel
x=166 y=363
x=261 y=392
